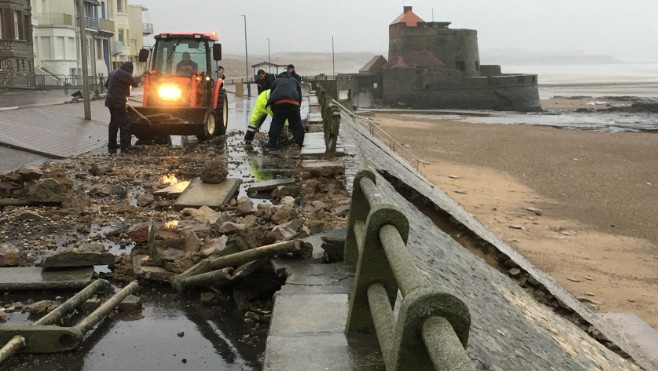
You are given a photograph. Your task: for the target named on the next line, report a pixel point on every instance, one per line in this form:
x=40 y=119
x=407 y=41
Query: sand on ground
x=597 y=232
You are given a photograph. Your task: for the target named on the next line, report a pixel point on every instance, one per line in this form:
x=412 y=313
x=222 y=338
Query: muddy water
x=212 y=338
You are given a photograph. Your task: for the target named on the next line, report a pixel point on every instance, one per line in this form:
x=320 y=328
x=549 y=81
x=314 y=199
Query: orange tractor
x=182 y=93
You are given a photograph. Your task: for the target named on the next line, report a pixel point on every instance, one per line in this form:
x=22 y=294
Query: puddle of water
x=212 y=340
x=603 y=121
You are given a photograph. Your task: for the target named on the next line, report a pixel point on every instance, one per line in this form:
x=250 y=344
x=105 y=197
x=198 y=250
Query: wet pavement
x=214 y=337
x=22 y=98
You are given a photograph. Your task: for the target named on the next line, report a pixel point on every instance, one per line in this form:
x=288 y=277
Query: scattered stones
x=180 y=334
x=91 y=304
x=516 y=226
x=145 y=199
x=514 y=272
x=41 y=308
x=48 y=190
x=214 y=172
x=29 y=173
x=214 y=246
x=283 y=214
x=534 y=210
x=208 y=298
x=249 y=220
x=573 y=279
x=460 y=191
x=131 y=304
x=588 y=300
x=453 y=177
x=28 y=215
x=230 y=228
x=204 y=214
x=9 y=255
x=245 y=205
x=97 y=170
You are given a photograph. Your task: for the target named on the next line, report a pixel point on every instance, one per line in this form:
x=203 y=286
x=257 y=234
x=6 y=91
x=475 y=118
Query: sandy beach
x=581 y=205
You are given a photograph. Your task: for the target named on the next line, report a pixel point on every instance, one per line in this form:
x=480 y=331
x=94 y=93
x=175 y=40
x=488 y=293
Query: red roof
x=408 y=17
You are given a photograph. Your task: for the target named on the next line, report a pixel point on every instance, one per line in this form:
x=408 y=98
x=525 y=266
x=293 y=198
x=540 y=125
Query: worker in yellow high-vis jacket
x=258 y=115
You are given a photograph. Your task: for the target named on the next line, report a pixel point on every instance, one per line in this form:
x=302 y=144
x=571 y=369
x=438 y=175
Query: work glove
x=249 y=136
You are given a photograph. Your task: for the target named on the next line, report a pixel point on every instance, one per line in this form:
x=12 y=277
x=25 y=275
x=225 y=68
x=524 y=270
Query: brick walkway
x=55 y=131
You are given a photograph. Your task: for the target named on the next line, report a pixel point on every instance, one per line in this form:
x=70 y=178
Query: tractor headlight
x=169 y=92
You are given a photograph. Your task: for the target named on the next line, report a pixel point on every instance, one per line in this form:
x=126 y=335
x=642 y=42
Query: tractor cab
x=182 y=90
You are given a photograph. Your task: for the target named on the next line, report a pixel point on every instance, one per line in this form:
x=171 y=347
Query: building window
x=18 y=23
x=120 y=37
x=120 y=6
x=477 y=65
x=1 y=27
x=460 y=65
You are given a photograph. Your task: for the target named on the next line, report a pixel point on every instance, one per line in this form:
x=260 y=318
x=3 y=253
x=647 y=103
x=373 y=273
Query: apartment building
x=16 y=57
x=130 y=32
x=107 y=29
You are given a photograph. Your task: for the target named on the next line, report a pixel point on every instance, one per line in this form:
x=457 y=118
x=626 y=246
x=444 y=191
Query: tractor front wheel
x=210 y=126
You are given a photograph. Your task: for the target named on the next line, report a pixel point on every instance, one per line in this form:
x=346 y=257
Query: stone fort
x=433 y=66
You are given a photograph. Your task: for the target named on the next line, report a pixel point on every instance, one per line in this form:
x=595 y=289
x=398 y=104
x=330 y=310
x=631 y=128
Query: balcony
x=106 y=27
x=53 y=19
x=117 y=48
x=147 y=29
x=91 y=23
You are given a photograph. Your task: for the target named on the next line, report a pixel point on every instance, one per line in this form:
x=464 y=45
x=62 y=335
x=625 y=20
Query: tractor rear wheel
x=222 y=112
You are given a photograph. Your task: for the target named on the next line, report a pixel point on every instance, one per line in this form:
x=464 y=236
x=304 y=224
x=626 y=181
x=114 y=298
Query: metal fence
x=377 y=132
x=432 y=327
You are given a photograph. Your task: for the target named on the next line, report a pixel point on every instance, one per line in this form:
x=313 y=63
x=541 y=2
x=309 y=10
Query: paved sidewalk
x=56 y=131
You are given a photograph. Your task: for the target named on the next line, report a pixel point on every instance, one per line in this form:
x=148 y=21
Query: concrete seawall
x=510 y=328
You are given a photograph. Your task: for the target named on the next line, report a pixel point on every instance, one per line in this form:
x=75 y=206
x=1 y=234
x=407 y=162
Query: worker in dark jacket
x=290 y=72
x=265 y=81
x=118 y=89
x=285 y=101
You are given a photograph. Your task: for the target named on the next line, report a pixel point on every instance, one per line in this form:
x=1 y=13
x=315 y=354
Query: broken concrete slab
x=268 y=185
x=324 y=167
x=84 y=255
x=215 y=196
x=35 y=278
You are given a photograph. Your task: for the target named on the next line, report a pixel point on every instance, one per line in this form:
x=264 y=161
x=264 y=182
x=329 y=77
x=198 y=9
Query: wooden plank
x=36 y=278
x=215 y=196
x=268 y=185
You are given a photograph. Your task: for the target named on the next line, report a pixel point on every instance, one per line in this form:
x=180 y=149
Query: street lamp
x=246 y=56
x=269 y=57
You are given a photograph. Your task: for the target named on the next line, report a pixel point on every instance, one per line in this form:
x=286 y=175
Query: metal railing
x=377 y=132
x=432 y=327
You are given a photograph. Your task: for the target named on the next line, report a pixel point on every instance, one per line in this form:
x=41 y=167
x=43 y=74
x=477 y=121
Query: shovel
x=139 y=114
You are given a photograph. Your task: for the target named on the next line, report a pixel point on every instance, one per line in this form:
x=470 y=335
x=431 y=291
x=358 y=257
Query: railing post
x=373 y=267
x=411 y=352
x=359 y=209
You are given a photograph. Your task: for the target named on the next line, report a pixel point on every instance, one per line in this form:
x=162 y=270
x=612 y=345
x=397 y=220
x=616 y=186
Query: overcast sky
x=625 y=29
